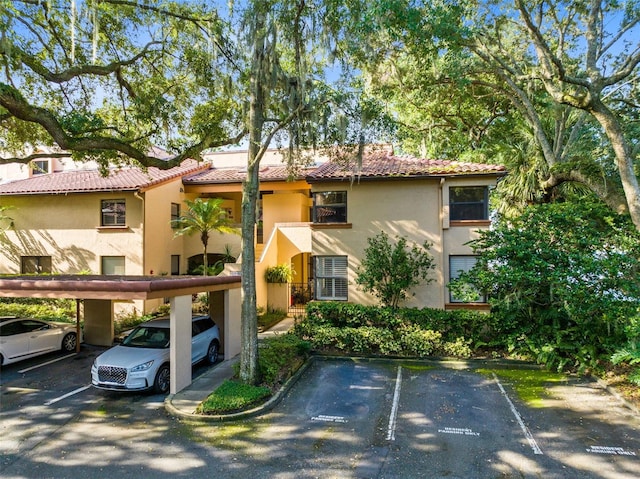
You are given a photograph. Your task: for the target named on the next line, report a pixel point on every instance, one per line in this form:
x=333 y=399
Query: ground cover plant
x=279 y=358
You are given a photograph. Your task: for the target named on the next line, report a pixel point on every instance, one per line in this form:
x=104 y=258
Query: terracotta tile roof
x=238 y=175
x=376 y=165
x=80 y=181
x=386 y=165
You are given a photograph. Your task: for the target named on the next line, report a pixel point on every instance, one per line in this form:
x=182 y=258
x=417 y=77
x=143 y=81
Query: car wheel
x=212 y=352
x=69 y=342
x=162 y=382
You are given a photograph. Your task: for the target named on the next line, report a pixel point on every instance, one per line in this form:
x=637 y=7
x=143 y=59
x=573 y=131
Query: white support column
x=180 y=356
x=232 y=323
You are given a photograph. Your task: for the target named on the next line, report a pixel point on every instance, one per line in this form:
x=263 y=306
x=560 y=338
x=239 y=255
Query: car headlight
x=142 y=367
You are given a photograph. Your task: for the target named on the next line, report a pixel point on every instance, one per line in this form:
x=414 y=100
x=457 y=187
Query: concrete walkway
x=185 y=402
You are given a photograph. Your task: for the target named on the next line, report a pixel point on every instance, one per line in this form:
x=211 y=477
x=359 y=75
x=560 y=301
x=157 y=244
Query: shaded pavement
x=185 y=402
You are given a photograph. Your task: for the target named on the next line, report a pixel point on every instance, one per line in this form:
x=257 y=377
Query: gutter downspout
x=445 y=267
x=136 y=194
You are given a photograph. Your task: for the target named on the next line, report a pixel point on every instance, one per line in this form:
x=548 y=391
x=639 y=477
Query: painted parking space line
x=26 y=370
x=523 y=426
x=69 y=394
x=391 y=430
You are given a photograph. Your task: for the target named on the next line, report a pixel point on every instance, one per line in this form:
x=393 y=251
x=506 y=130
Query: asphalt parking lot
x=395 y=420
x=344 y=418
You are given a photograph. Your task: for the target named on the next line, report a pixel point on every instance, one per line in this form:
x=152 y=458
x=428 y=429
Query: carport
x=99 y=292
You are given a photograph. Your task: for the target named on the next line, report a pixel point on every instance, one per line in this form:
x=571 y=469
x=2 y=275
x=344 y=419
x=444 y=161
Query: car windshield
x=147 y=337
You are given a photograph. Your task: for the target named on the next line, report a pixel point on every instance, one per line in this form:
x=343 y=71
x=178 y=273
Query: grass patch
x=417 y=367
x=278 y=359
x=531 y=385
x=233 y=396
x=268 y=318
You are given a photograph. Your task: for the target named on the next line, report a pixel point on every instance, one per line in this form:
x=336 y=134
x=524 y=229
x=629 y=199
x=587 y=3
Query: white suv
x=141 y=361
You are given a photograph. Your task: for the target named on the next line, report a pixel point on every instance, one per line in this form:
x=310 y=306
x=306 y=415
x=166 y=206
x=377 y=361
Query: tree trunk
x=250 y=190
x=624 y=158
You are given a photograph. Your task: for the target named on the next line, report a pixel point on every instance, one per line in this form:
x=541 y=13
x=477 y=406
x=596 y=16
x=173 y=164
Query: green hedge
x=351 y=328
x=63 y=310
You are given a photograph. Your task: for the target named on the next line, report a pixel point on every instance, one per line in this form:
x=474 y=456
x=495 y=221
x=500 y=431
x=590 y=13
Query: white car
x=141 y=361
x=22 y=338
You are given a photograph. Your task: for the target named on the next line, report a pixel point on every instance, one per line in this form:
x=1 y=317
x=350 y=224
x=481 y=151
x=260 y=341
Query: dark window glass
x=35 y=264
x=40 y=167
x=469 y=203
x=175 y=215
x=330 y=207
x=175 y=264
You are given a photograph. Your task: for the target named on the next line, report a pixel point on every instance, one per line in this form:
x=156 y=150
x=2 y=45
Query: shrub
x=419 y=342
x=63 y=310
x=389 y=271
x=233 y=396
x=278 y=274
x=458 y=348
x=279 y=357
x=266 y=319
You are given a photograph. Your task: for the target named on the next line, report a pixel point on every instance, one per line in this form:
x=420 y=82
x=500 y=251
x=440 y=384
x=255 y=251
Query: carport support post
x=180 y=337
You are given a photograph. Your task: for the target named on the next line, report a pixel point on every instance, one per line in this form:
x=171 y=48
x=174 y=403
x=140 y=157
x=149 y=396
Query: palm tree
x=202 y=217
x=5 y=221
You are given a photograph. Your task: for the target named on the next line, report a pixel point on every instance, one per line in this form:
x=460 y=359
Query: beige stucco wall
x=415 y=209
x=400 y=208
x=284 y=207
x=67 y=228
x=159 y=239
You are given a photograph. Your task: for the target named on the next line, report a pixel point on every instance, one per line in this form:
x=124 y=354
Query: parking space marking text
x=613 y=451
x=459 y=430
x=325 y=418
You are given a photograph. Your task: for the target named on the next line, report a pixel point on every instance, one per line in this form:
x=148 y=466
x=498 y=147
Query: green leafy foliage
x=202 y=217
x=281 y=273
x=63 y=310
x=367 y=330
x=233 y=396
x=280 y=357
x=562 y=281
x=389 y=271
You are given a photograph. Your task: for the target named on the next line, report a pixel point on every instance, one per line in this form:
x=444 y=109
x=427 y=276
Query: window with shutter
x=331 y=277
x=458 y=265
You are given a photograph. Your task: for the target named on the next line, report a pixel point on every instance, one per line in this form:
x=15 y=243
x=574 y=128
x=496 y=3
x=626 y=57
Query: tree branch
x=74 y=71
x=22 y=110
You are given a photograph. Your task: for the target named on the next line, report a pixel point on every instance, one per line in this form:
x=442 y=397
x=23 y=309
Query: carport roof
x=112 y=287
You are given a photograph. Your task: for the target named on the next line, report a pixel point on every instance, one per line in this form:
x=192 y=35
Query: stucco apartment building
x=65 y=220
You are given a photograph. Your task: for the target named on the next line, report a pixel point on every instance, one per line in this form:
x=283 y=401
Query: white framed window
x=113 y=265
x=113 y=212
x=331 y=282
x=458 y=265
x=39 y=167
